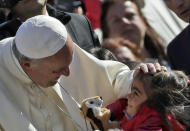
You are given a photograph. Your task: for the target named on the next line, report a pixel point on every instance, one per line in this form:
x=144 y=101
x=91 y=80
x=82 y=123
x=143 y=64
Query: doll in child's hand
x=91 y=109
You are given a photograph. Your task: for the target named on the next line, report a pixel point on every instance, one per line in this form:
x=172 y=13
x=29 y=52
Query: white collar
x=12 y=63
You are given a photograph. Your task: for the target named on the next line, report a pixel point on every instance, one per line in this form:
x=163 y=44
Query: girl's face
x=136 y=98
x=123 y=20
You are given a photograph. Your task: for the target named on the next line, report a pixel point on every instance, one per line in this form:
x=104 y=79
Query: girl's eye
x=136 y=93
x=129 y=16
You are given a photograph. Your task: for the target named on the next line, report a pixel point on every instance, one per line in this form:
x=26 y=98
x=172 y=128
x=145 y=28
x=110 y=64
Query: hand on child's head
x=150 y=68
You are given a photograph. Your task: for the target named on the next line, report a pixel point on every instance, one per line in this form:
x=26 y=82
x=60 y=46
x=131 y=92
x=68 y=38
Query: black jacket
x=179 y=51
x=78 y=27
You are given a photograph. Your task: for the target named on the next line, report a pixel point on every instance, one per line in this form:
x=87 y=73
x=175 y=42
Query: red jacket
x=93 y=12
x=145 y=119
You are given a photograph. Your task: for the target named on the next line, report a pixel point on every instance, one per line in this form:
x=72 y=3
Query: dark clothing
x=9 y=28
x=179 y=51
x=2 y=16
x=78 y=27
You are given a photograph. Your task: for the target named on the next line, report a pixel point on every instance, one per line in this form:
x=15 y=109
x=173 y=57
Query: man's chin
x=50 y=84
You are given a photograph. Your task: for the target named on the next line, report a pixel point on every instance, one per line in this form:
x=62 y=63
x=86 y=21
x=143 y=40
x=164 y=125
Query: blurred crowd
x=132 y=30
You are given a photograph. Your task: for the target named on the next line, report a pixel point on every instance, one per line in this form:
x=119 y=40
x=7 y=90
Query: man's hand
x=150 y=67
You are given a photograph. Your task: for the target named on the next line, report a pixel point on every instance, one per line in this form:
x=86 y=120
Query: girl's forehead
x=142 y=83
x=138 y=83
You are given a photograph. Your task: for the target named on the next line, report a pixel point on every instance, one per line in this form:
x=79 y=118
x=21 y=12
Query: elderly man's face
x=180 y=7
x=48 y=70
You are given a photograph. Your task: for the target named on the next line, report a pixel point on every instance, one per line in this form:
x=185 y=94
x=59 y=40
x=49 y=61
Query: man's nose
x=66 y=72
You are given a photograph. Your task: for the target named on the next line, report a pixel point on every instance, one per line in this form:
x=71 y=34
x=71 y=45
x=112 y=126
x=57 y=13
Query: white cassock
x=25 y=106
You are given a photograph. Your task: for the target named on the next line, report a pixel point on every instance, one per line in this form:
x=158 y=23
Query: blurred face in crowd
x=180 y=7
x=137 y=97
x=123 y=20
x=29 y=8
x=46 y=72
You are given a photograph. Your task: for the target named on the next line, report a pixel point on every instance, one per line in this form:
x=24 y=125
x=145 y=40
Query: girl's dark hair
x=152 y=39
x=167 y=92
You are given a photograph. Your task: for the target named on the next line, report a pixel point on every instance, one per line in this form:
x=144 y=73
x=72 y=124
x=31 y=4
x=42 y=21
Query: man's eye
x=55 y=72
x=116 y=20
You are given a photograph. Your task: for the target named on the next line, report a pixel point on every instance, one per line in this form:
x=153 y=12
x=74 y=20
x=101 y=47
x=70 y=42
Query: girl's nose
x=129 y=96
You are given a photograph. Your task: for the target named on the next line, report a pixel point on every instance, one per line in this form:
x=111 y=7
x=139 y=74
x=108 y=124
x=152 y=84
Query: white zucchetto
x=40 y=36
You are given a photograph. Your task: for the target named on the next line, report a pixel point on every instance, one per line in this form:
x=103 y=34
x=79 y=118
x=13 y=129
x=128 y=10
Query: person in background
x=93 y=12
x=123 y=20
x=178 y=49
x=51 y=2
x=180 y=8
x=73 y=6
x=161 y=19
x=78 y=26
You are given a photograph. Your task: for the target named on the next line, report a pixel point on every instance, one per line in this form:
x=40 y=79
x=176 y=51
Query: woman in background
x=123 y=20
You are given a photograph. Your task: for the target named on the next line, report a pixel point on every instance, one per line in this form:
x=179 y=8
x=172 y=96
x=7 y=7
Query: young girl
x=155 y=103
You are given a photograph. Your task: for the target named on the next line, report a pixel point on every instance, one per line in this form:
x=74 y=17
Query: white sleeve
x=123 y=82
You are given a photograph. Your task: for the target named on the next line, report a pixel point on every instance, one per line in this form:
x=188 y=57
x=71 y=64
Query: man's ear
x=26 y=64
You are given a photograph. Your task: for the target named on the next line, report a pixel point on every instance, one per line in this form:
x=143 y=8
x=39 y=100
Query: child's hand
x=91 y=109
x=105 y=119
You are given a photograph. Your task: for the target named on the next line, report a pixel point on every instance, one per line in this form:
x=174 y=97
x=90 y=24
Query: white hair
x=21 y=57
